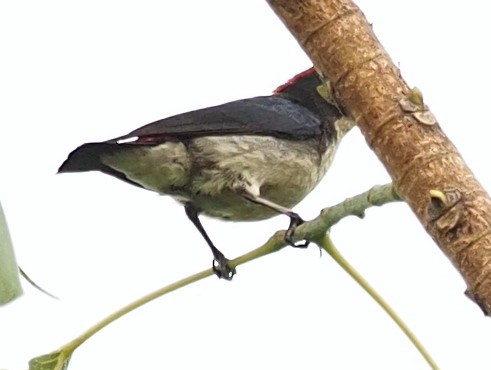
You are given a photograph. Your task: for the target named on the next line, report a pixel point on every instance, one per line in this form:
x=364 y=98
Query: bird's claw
x=295 y=220
x=222 y=268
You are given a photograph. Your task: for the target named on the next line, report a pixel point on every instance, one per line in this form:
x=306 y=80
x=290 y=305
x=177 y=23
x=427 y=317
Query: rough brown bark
x=426 y=168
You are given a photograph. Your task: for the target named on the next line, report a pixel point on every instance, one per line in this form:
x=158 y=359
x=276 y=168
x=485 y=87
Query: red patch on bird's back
x=157 y=138
x=294 y=79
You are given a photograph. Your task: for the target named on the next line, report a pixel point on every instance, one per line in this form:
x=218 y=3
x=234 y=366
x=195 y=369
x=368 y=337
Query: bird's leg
x=295 y=219
x=220 y=263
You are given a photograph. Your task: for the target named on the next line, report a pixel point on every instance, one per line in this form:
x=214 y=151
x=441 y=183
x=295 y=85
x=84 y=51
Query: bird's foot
x=221 y=266
x=295 y=220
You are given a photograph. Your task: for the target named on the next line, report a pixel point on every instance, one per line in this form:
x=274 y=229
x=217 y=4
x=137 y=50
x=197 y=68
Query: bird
x=245 y=160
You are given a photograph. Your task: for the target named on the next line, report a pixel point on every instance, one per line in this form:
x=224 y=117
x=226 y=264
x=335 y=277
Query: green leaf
x=10 y=287
x=57 y=360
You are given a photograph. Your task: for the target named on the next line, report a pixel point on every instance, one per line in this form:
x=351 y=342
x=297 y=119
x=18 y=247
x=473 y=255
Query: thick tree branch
x=427 y=169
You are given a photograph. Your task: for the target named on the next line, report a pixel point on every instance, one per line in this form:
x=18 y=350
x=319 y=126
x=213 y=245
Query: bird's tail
x=87 y=157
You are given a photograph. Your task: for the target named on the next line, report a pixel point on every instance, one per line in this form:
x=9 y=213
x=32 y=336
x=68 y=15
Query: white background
x=88 y=71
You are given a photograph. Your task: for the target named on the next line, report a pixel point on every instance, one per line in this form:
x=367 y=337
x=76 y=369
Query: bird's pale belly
x=210 y=171
x=231 y=206
x=281 y=171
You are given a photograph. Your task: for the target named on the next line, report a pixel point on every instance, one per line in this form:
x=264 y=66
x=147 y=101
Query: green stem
x=73 y=344
x=272 y=245
x=327 y=244
x=312 y=230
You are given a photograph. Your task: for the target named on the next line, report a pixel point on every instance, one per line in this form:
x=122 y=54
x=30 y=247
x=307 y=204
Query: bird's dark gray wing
x=268 y=115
